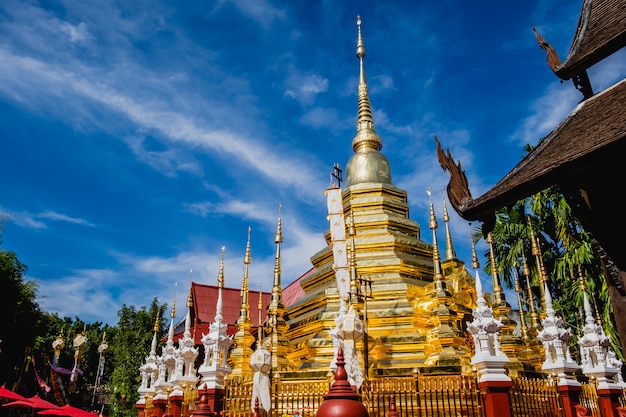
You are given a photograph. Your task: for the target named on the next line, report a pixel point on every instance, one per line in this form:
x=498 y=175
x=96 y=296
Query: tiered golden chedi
x=394 y=290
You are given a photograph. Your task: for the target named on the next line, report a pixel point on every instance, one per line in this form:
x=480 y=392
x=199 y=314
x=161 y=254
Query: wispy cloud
x=36 y=220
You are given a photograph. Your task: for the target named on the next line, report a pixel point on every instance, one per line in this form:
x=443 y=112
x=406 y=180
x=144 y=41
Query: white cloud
x=77 y=33
x=261 y=11
x=34 y=220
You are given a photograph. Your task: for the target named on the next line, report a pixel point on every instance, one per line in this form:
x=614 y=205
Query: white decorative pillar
x=555 y=339
x=488 y=359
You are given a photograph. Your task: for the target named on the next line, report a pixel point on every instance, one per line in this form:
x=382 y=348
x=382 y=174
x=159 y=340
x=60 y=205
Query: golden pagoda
x=392 y=285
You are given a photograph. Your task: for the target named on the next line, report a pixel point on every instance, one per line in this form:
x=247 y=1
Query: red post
x=608 y=400
x=176 y=404
x=141 y=409
x=160 y=406
x=570 y=396
x=495 y=396
x=203 y=409
x=342 y=400
x=215 y=398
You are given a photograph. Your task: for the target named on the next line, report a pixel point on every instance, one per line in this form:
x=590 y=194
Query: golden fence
x=589 y=398
x=424 y=395
x=530 y=397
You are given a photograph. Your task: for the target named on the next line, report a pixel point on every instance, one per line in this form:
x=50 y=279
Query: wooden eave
x=601 y=32
x=593 y=134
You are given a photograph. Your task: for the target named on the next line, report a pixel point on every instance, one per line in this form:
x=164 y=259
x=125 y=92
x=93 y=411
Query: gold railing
x=424 y=395
x=530 y=397
x=302 y=397
x=589 y=398
x=237 y=397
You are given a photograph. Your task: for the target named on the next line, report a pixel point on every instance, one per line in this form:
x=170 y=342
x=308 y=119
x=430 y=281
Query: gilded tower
x=392 y=265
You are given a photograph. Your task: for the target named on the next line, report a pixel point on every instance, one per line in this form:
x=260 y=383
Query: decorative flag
x=40 y=381
x=56 y=387
x=338 y=237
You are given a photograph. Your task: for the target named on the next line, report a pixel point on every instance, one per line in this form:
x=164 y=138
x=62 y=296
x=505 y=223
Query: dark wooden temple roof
x=591 y=135
x=601 y=31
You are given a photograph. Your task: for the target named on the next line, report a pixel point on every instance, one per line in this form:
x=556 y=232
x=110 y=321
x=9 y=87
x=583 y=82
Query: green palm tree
x=564 y=249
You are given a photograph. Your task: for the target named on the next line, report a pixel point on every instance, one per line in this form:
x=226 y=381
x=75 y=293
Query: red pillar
x=203 y=409
x=176 y=405
x=495 y=396
x=160 y=406
x=570 y=394
x=215 y=398
x=608 y=400
x=141 y=409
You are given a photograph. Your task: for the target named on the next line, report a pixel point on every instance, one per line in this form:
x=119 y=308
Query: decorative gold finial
x=244 y=311
x=440 y=285
x=541 y=269
x=279 y=229
x=475 y=263
x=433 y=220
x=156 y=321
x=246 y=259
x=190 y=296
x=450 y=252
x=498 y=294
x=520 y=306
x=278 y=240
x=366 y=138
x=534 y=317
x=173 y=312
x=220 y=274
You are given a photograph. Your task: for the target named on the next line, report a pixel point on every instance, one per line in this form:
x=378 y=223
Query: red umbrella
x=68 y=410
x=31 y=402
x=10 y=395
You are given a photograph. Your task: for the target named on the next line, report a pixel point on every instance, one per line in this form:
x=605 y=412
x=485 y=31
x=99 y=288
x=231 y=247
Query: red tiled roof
x=205 y=301
x=294 y=291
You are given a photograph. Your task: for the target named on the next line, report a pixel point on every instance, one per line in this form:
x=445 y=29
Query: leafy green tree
x=562 y=248
x=22 y=322
x=131 y=340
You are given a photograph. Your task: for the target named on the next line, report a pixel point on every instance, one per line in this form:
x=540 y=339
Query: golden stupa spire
x=243 y=339
x=245 y=306
x=475 y=263
x=498 y=293
x=190 y=295
x=440 y=285
x=278 y=239
x=173 y=312
x=220 y=274
x=220 y=285
x=366 y=138
x=367 y=164
x=541 y=270
x=276 y=325
x=170 y=332
x=520 y=306
x=188 y=318
x=534 y=317
x=157 y=328
x=450 y=252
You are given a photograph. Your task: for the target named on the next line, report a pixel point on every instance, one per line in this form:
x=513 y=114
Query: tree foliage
x=130 y=344
x=22 y=320
x=562 y=248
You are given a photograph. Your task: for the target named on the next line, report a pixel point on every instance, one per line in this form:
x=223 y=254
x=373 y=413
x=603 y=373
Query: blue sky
x=138 y=138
